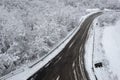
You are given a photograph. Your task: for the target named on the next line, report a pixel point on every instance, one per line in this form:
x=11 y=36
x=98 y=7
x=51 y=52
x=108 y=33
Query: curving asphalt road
x=69 y=63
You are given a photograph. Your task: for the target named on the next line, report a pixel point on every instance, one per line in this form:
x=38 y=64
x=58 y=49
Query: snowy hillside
x=31 y=28
x=103 y=47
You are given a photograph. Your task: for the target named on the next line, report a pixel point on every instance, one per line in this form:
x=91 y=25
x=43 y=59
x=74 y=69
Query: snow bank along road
x=69 y=63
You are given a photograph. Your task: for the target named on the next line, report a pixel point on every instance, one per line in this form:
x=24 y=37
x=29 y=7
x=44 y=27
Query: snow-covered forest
x=31 y=28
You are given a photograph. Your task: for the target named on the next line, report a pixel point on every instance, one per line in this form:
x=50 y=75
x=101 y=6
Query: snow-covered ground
x=29 y=29
x=111 y=45
x=103 y=46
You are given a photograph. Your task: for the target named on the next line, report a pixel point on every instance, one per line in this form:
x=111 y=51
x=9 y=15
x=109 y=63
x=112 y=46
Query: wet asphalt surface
x=69 y=63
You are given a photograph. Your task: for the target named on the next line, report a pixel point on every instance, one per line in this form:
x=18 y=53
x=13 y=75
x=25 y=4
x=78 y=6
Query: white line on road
x=75 y=75
x=58 y=77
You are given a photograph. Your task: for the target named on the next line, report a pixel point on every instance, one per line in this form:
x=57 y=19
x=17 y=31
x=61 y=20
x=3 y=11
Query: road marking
x=86 y=30
x=58 y=77
x=80 y=49
x=75 y=75
x=73 y=65
x=81 y=63
x=71 y=44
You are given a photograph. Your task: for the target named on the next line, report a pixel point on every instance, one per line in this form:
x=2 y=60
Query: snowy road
x=69 y=64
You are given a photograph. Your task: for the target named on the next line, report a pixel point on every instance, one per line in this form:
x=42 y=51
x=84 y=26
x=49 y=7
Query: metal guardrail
x=13 y=73
x=72 y=33
x=41 y=59
x=58 y=45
